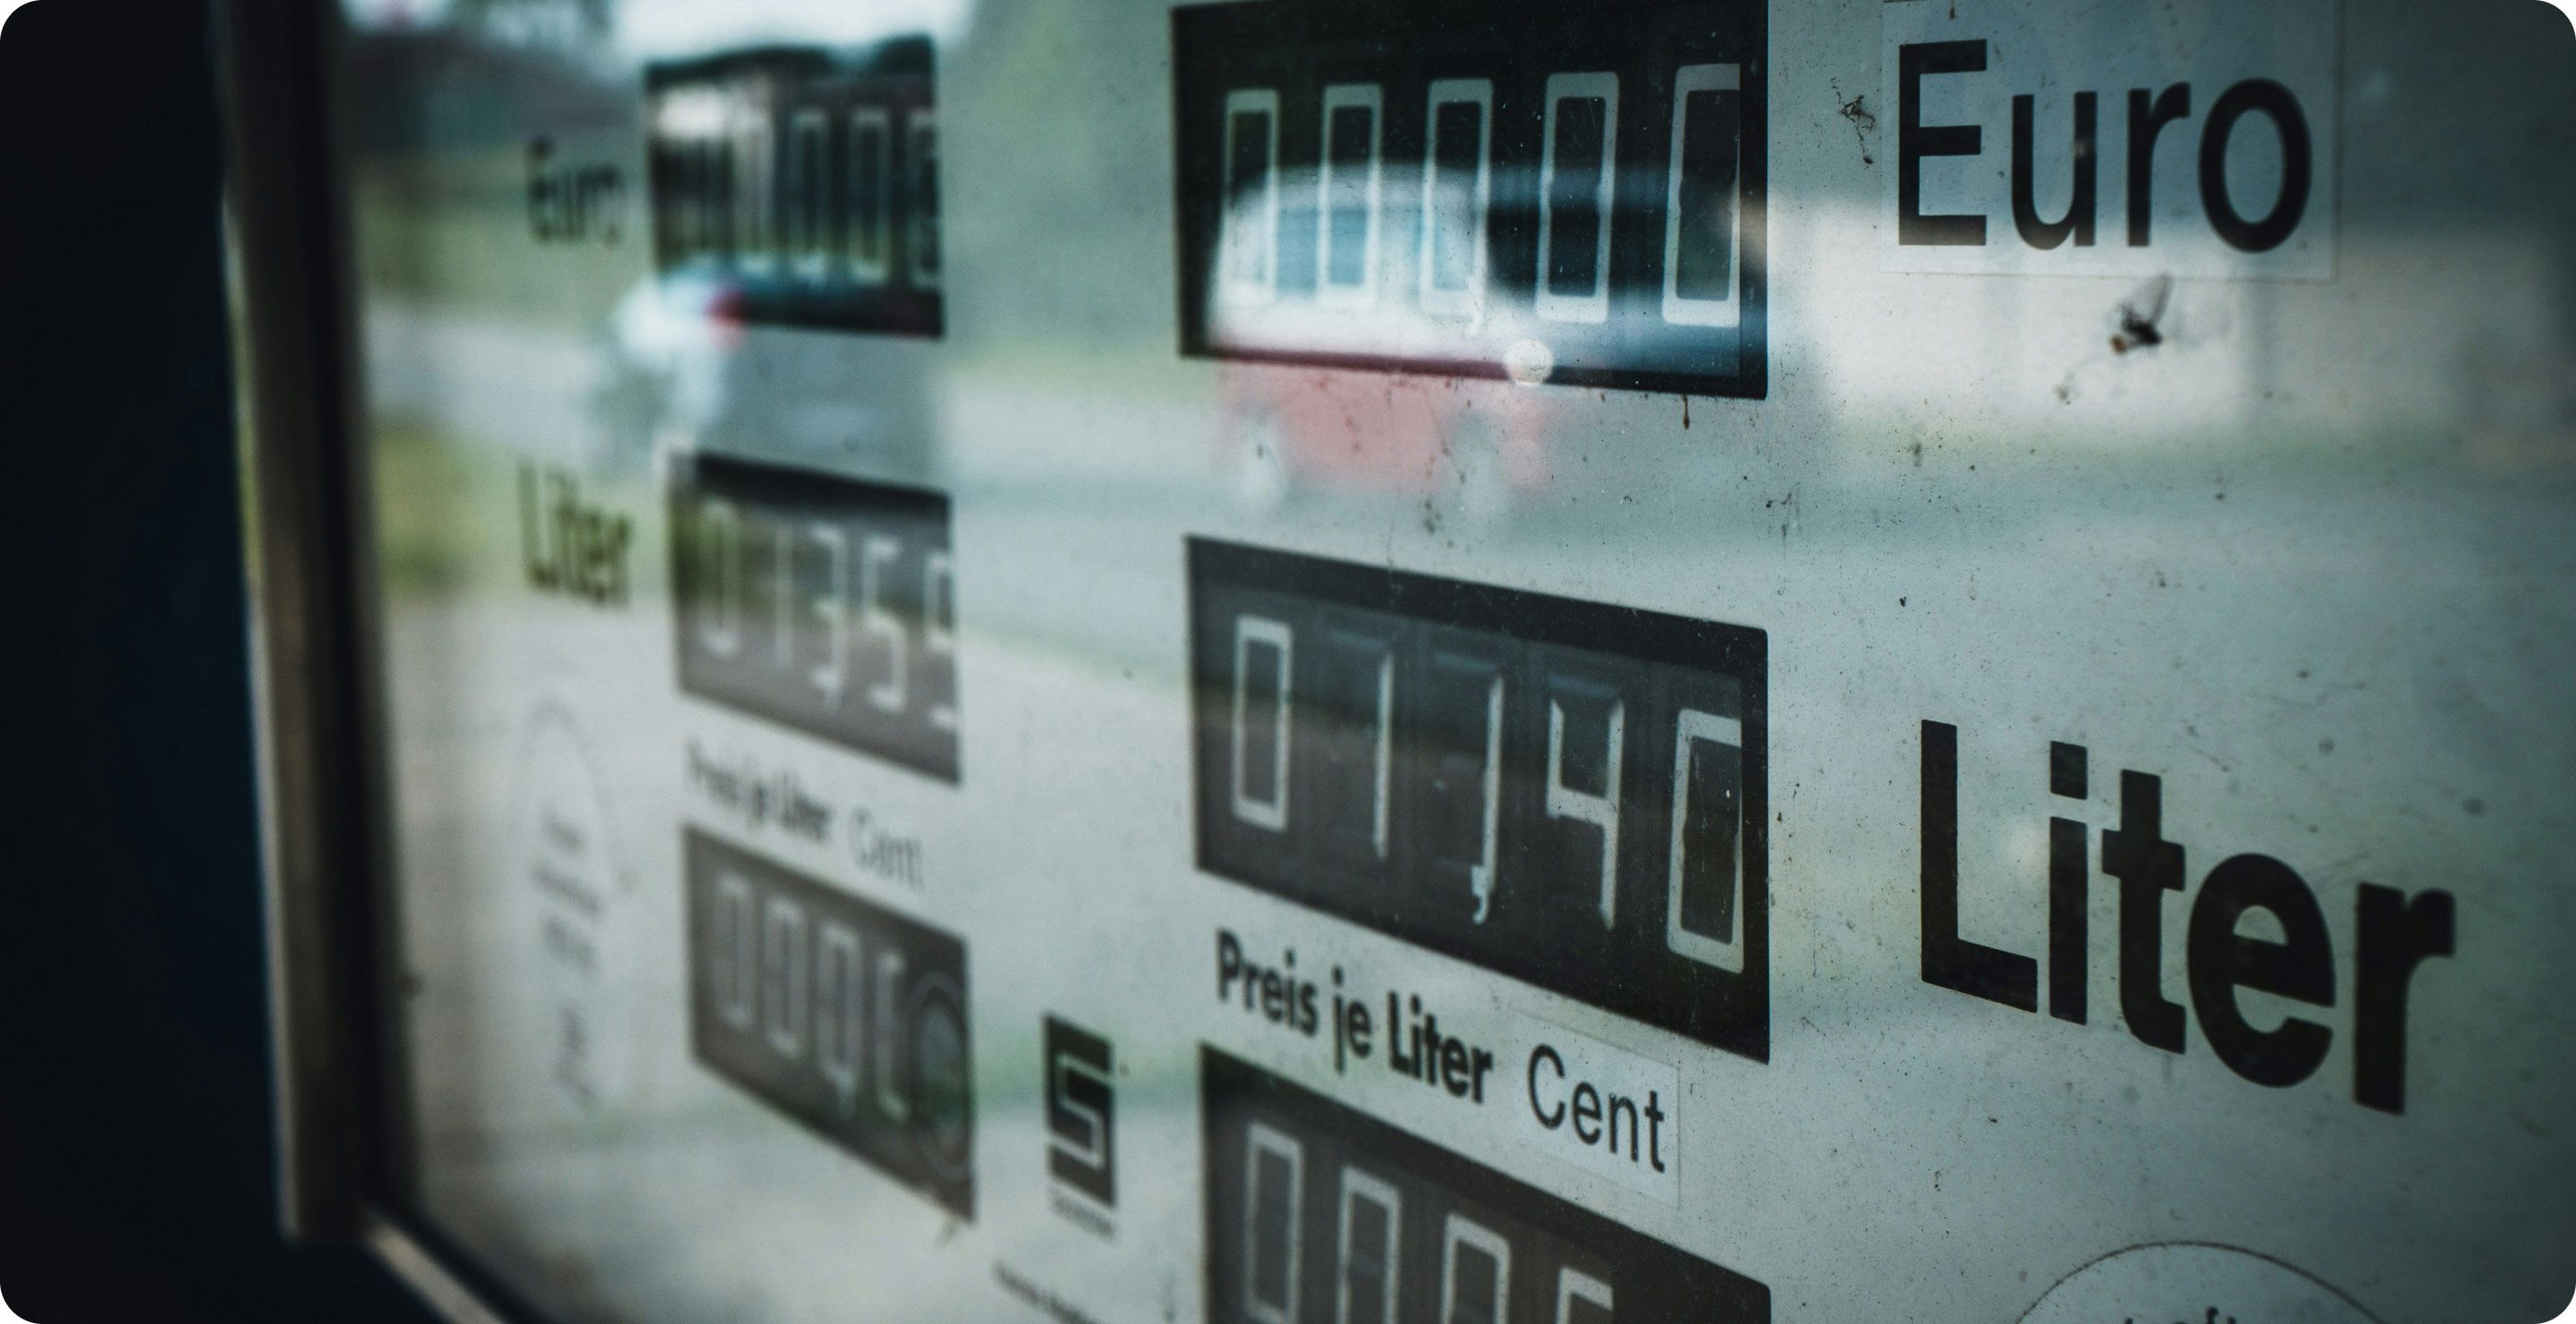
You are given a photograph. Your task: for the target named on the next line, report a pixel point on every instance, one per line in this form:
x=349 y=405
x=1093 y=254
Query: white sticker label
x=2195 y=138
x=1603 y=1109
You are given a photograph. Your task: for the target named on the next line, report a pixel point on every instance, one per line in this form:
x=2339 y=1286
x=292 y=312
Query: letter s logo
x=1080 y=1149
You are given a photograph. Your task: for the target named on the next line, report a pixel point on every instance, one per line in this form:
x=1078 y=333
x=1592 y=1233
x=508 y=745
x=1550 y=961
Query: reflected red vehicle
x=1474 y=446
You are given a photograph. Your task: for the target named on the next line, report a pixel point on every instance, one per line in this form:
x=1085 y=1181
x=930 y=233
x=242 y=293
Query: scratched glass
x=1178 y=661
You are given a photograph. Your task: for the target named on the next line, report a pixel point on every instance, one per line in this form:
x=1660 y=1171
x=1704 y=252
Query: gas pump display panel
x=1302 y=662
x=1567 y=193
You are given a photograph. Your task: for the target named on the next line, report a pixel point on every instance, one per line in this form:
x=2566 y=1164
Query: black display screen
x=799 y=185
x=1567 y=793
x=1317 y=1214
x=1570 y=193
x=820 y=602
x=848 y=1018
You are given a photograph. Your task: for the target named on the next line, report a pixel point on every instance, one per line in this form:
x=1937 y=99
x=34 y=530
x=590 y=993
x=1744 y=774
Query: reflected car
x=1472 y=448
x=678 y=359
x=1453 y=348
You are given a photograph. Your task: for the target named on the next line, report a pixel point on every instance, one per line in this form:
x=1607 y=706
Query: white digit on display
x=939 y=626
x=1346 y=225
x=719 y=577
x=1694 y=728
x=710 y=194
x=784 y=988
x=840 y=982
x=782 y=593
x=1262 y=632
x=752 y=247
x=1457 y=195
x=924 y=171
x=734 y=933
x=805 y=188
x=1475 y=1273
x=871 y=144
x=1273 y=1224
x=886 y=1041
x=1481 y=879
x=1577 y=165
x=672 y=191
x=1601 y=811
x=877 y=623
x=1703 y=249
x=1385 y=755
x=1248 y=234
x=1574 y=1288
x=1365 y=1287
x=831 y=675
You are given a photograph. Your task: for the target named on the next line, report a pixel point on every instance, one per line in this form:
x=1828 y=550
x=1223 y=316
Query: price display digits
x=1317 y=1214
x=1567 y=793
x=846 y=1017
x=820 y=602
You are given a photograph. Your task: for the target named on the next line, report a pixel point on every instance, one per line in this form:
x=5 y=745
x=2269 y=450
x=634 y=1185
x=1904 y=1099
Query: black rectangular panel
x=820 y=602
x=1318 y=1214
x=798 y=186
x=845 y=1016
x=1493 y=122
x=1494 y=775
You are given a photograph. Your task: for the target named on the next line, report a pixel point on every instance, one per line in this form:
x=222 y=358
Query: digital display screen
x=844 y=1016
x=823 y=603
x=1318 y=1214
x=1569 y=194
x=2150 y=546
x=800 y=185
x=1565 y=792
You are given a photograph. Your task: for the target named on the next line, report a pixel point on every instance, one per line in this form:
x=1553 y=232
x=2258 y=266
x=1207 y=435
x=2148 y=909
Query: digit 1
x=1601 y=811
x=885 y=1046
x=1480 y=879
x=887 y=694
x=1385 y=754
x=939 y=628
x=720 y=553
x=783 y=977
x=1249 y=804
x=831 y=674
x=1699 y=921
x=1351 y=673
